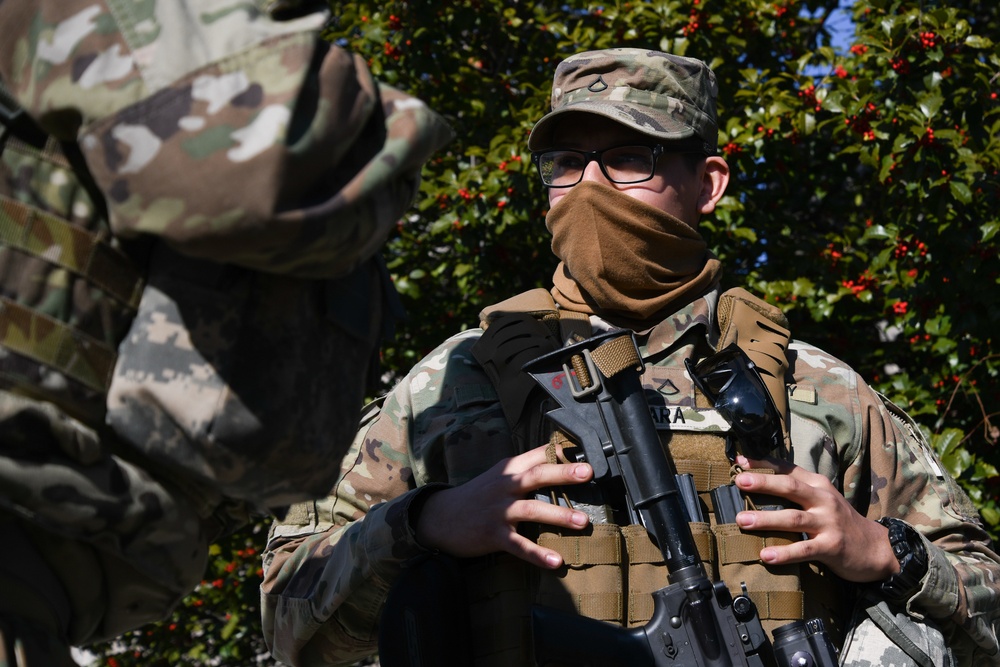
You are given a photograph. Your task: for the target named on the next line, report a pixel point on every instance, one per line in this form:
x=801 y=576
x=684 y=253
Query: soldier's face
x=676 y=186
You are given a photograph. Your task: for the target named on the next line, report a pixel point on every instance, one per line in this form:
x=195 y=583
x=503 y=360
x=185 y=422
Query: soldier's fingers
x=529 y=551
x=785 y=521
x=551 y=474
x=797 y=485
x=777 y=465
x=526 y=460
x=542 y=454
x=782 y=467
x=542 y=512
x=782 y=521
x=796 y=552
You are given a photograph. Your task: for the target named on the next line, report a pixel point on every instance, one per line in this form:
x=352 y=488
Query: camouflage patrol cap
x=665 y=96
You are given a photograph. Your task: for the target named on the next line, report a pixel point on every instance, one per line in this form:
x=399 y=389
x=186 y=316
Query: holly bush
x=865 y=193
x=865 y=202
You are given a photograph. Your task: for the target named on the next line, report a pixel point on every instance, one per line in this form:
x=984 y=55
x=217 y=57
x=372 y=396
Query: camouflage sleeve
x=884 y=466
x=962 y=584
x=233 y=136
x=330 y=563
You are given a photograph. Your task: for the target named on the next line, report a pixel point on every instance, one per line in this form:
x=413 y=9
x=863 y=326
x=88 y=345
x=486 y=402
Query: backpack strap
x=538 y=303
x=15 y=122
x=516 y=331
x=511 y=341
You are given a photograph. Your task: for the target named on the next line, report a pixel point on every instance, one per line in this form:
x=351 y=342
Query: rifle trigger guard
x=595 y=378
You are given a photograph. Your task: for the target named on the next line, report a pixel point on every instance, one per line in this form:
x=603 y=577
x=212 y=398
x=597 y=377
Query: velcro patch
x=802 y=394
x=687 y=418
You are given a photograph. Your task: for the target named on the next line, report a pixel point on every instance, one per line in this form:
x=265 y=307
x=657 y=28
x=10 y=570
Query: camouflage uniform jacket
x=222 y=136
x=328 y=569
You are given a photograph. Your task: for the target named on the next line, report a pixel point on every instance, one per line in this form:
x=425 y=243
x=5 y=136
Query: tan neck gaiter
x=624 y=260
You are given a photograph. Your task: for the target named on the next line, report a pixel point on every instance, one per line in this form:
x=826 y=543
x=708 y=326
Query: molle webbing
x=79 y=250
x=590 y=580
x=47 y=340
x=610 y=571
x=776 y=590
x=647 y=572
x=708 y=472
x=591 y=584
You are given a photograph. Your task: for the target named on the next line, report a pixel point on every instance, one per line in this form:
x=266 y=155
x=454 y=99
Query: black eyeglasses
x=561 y=168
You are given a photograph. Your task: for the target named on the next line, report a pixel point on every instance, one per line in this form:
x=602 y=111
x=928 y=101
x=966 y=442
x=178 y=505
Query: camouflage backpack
x=211 y=371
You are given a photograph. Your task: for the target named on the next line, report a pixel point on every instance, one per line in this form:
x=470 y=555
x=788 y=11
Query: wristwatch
x=909 y=549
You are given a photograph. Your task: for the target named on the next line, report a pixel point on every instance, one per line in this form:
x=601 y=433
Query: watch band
x=909 y=550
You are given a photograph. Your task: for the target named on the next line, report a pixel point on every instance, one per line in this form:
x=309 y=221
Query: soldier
x=876 y=539
x=192 y=199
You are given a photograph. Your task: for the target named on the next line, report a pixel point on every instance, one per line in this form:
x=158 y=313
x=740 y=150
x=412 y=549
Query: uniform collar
x=695 y=319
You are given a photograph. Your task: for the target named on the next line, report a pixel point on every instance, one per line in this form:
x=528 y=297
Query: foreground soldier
x=628 y=155
x=208 y=185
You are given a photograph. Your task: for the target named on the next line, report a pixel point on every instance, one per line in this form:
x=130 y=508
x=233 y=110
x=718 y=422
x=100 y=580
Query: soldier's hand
x=851 y=545
x=481 y=516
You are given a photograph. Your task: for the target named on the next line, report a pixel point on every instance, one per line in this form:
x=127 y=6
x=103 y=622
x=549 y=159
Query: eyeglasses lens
x=622 y=164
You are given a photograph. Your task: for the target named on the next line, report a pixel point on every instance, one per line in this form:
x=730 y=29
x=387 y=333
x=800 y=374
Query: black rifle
x=602 y=405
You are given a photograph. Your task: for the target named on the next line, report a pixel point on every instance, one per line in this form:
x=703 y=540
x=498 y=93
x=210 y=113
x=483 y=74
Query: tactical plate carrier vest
x=611 y=569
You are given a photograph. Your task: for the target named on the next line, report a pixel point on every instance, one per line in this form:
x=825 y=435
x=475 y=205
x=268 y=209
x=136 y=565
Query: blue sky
x=841 y=26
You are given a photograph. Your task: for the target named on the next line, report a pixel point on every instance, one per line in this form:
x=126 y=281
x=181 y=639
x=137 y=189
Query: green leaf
x=989 y=230
x=960 y=191
x=942 y=346
x=985 y=471
x=938 y=326
x=930 y=104
x=230 y=627
x=978 y=42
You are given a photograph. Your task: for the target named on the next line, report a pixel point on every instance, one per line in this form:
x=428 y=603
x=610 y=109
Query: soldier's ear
x=714 y=180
